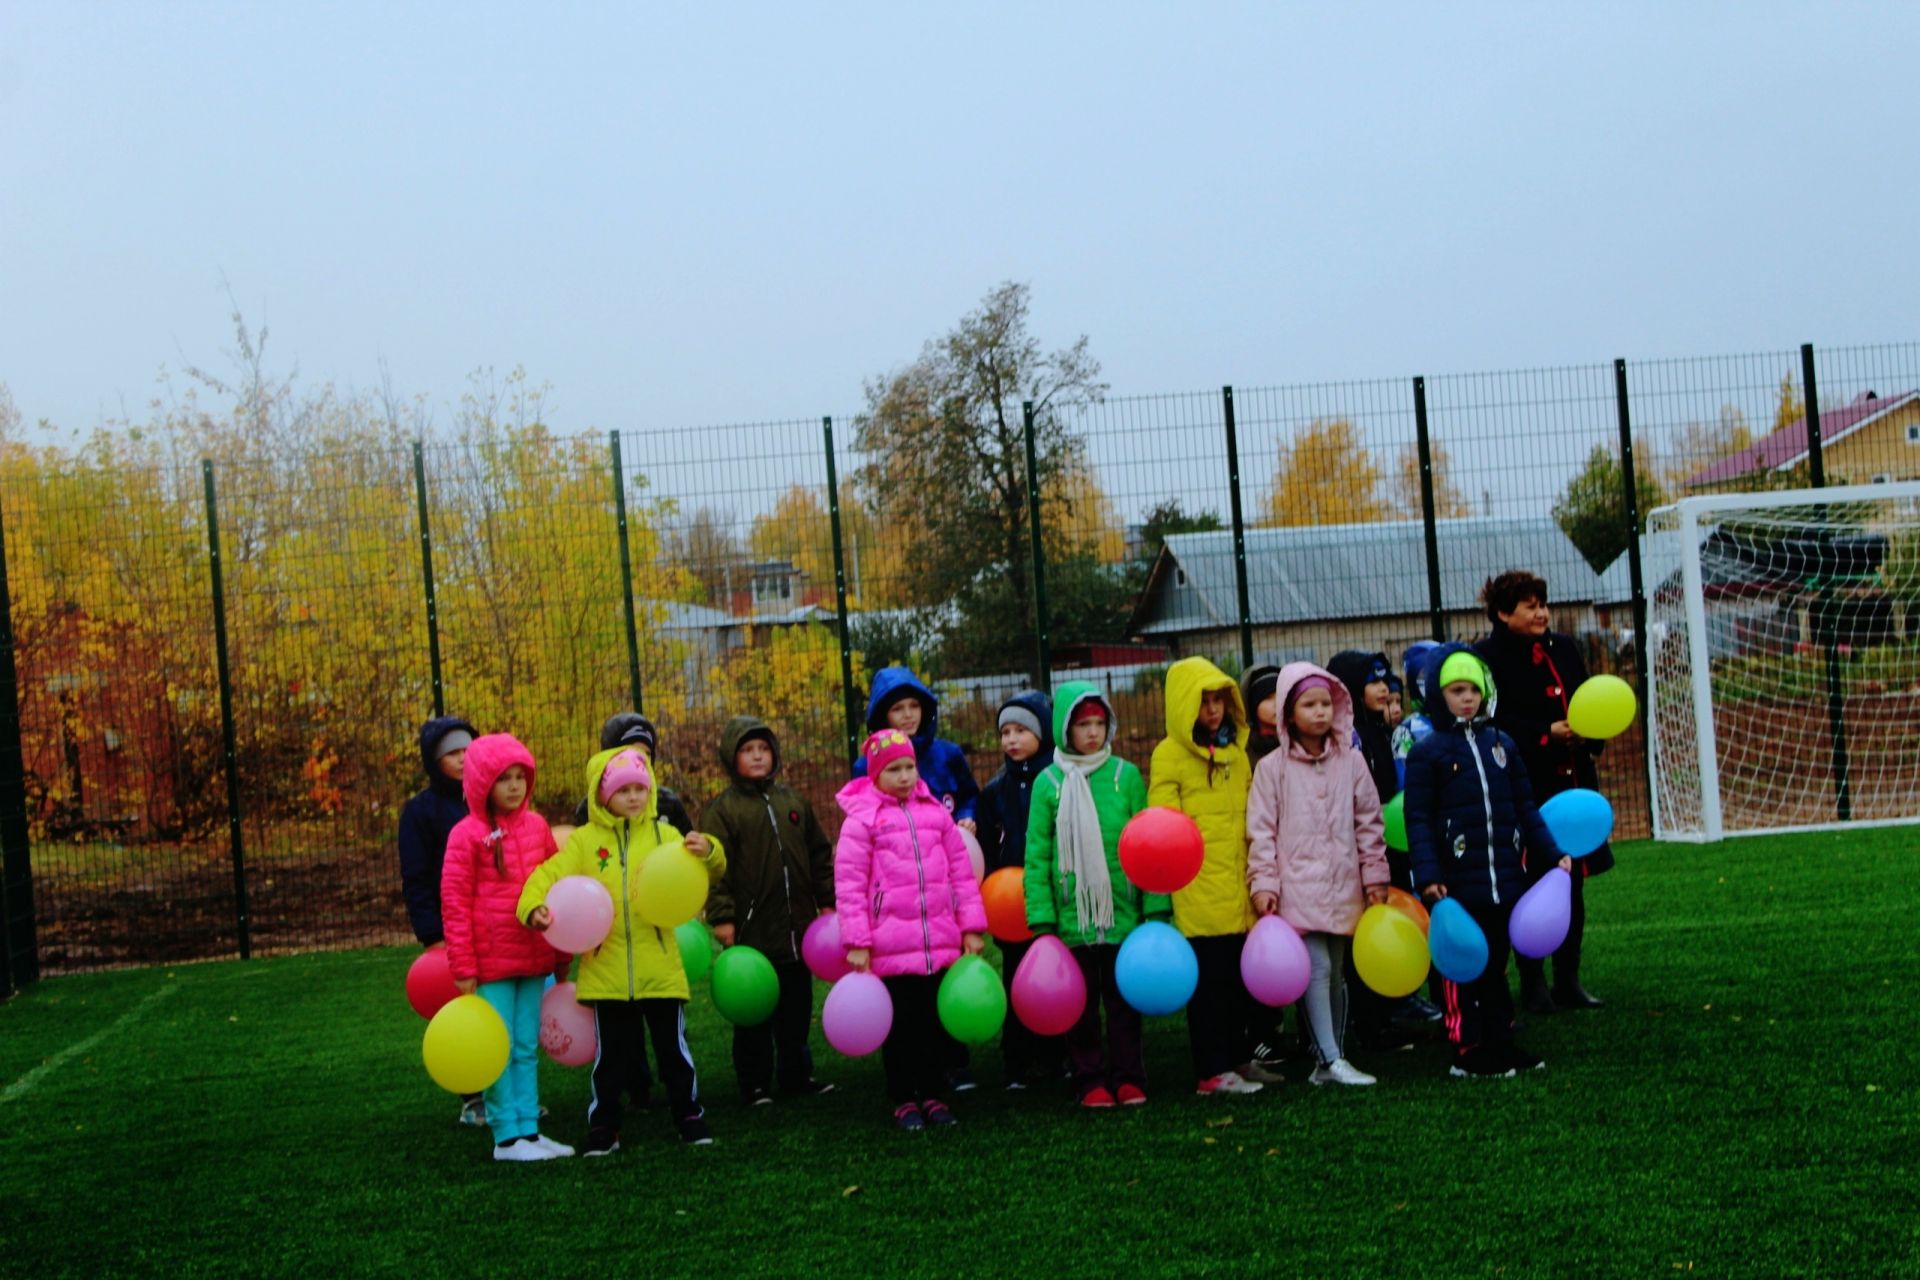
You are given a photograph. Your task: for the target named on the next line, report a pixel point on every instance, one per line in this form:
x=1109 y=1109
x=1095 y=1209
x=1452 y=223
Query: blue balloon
x=1580 y=820
x=1458 y=945
x=1156 y=969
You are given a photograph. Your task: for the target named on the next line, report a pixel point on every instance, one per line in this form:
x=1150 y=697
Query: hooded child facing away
x=779 y=877
x=1201 y=769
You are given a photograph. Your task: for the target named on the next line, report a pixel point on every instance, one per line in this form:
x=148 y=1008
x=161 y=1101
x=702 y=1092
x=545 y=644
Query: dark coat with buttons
x=1008 y=797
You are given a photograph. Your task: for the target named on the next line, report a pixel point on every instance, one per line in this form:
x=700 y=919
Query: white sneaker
x=1226 y=1082
x=522 y=1151
x=1259 y=1074
x=558 y=1148
x=1340 y=1071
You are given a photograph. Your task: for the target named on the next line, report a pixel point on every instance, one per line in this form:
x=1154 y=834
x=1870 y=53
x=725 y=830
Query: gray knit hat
x=1014 y=713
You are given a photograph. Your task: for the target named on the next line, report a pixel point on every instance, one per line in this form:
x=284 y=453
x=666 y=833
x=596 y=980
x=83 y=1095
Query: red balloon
x=430 y=982
x=1005 y=896
x=1161 y=850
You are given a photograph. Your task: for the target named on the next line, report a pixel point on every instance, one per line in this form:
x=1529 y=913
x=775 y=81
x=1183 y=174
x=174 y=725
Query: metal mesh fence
x=691 y=574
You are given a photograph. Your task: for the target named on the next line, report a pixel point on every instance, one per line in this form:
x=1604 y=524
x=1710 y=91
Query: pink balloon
x=823 y=951
x=1049 y=992
x=858 y=1014
x=1274 y=963
x=1541 y=918
x=567 y=1029
x=582 y=914
x=975 y=854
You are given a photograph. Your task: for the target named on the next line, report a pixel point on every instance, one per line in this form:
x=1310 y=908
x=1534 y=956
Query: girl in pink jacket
x=1317 y=854
x=908 y=906
x=490 y=854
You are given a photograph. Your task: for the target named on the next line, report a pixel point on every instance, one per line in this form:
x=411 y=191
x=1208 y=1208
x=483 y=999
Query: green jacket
x=1119 y=792
x=638 y=961
x=779 y=861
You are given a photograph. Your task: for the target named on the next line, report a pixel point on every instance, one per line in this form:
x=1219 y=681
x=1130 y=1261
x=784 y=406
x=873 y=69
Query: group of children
x=1285 y=774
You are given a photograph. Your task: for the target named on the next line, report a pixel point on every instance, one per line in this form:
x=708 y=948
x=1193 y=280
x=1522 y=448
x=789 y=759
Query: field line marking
x=25 y=1084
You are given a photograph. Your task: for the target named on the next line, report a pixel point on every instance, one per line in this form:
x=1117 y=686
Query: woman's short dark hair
x=1505 y=593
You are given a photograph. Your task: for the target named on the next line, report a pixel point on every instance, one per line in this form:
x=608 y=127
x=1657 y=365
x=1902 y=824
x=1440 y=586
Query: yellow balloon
x=466 y=1045
x=1602 y=708
x=672 y=887
x=1390 y=952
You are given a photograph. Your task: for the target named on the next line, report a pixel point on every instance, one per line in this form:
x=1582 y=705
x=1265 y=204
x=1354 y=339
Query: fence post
x=1042 y=651
x=228 y=753
x=426 y=576
x=1631 y=507
x=19 y=947
x=626 y=571
x=1829 y=641
x=849 y=710
x=1239 y=533
x=1436 y=605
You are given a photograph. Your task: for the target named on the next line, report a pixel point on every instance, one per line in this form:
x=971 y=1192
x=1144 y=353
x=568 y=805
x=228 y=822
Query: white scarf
x=1083 y=852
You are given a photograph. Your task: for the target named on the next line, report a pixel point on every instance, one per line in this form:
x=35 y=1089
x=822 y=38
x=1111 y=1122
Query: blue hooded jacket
x=943 y=765
x=425 y=822
x=1008 y=797
x=1470 y=814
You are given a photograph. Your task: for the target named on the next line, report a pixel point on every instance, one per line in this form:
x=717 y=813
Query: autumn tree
x=1448 y=502
x=943 y=440
x=705 y=545
x=1169 y=517
x=799 y=528
x=1592 y=510
x=1326 y=475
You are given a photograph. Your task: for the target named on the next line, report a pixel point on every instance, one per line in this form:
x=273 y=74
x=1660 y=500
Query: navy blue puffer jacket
x=1006 y=800
x=1469 y=806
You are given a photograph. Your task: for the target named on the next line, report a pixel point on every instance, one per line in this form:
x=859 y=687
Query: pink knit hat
x=885 y=746
x=1302 y=685
x=624 y=770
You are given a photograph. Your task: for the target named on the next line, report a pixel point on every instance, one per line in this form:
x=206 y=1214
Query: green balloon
x=1394 y=813
x=696 y=949
x=745 y=987
x=972 y=1001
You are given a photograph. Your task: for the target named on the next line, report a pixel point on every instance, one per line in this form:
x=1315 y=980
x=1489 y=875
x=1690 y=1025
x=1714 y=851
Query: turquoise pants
x=513 y=1101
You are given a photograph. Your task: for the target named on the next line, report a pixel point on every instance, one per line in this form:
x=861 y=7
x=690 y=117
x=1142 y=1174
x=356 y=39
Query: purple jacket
x=903 y=884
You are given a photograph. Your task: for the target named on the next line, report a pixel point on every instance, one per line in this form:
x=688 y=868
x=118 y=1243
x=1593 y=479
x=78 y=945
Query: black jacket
x=425 y=822
x=1471 y=821
x=1537 y=680
x=1356 y=670
x=1002 y=811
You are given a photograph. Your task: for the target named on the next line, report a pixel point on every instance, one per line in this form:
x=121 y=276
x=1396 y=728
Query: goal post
x=1783 y=660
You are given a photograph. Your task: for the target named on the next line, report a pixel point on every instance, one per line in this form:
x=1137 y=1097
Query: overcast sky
x=715 y=213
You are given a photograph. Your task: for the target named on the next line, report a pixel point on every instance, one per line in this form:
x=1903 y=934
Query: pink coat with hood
x=485 y=939
x=902 y=881
x=1313 y=822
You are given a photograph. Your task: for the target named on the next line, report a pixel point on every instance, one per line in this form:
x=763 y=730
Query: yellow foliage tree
x=1077 y=517
x=1448 y=502
x=1326 y=475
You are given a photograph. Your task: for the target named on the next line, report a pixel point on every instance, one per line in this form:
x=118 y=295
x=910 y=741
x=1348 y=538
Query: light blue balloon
x=1580 y=820
x=1156 y=969
x=1458 y=946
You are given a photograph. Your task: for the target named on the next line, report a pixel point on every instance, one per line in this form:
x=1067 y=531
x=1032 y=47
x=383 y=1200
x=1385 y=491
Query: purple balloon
x=1049 y=991
x=857 y=1015
x=1274 y=963
x=823 y=949
x=1540 y=919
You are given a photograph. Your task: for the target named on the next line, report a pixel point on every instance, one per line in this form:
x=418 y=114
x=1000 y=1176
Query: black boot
x=1567 y=991
x=1534 y=997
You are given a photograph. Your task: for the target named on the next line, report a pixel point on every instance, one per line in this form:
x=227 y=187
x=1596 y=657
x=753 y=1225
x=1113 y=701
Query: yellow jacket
x=1209 y=784
x=638 y=961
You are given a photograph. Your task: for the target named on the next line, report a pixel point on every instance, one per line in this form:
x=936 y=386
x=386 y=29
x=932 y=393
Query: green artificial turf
x=1745 y=1105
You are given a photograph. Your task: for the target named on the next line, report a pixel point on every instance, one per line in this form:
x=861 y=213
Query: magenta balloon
x=857 y=1015
x=823 y=950
x=567 y=1029
x=582 y=912
x=1540 y=919
x=1049 y=991
x=1274 y=963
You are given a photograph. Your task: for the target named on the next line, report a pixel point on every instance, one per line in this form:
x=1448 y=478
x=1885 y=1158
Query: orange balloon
x=1407 y=905
x=1005 y=895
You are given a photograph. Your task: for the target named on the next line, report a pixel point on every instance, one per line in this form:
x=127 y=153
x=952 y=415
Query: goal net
x=1783 y=660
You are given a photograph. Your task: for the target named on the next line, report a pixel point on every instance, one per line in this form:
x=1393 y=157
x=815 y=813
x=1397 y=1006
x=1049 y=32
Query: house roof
x=1322 y=572
x=1784 y=446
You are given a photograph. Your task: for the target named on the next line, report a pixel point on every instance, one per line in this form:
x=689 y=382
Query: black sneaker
x=937 y=1114
x=814 y=1088
x=1521 y=1060
x=961 y=1081
x=1481 y=1064
x=694 y=1132
x=1576 y=997
x=600 y=1142
x=907 y=1118
x=757 y=1098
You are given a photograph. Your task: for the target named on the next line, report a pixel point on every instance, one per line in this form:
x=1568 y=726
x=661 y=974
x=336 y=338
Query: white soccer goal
x=1783 y=660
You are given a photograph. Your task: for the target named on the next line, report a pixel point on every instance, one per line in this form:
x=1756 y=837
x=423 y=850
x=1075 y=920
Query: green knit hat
x=1467 y=667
